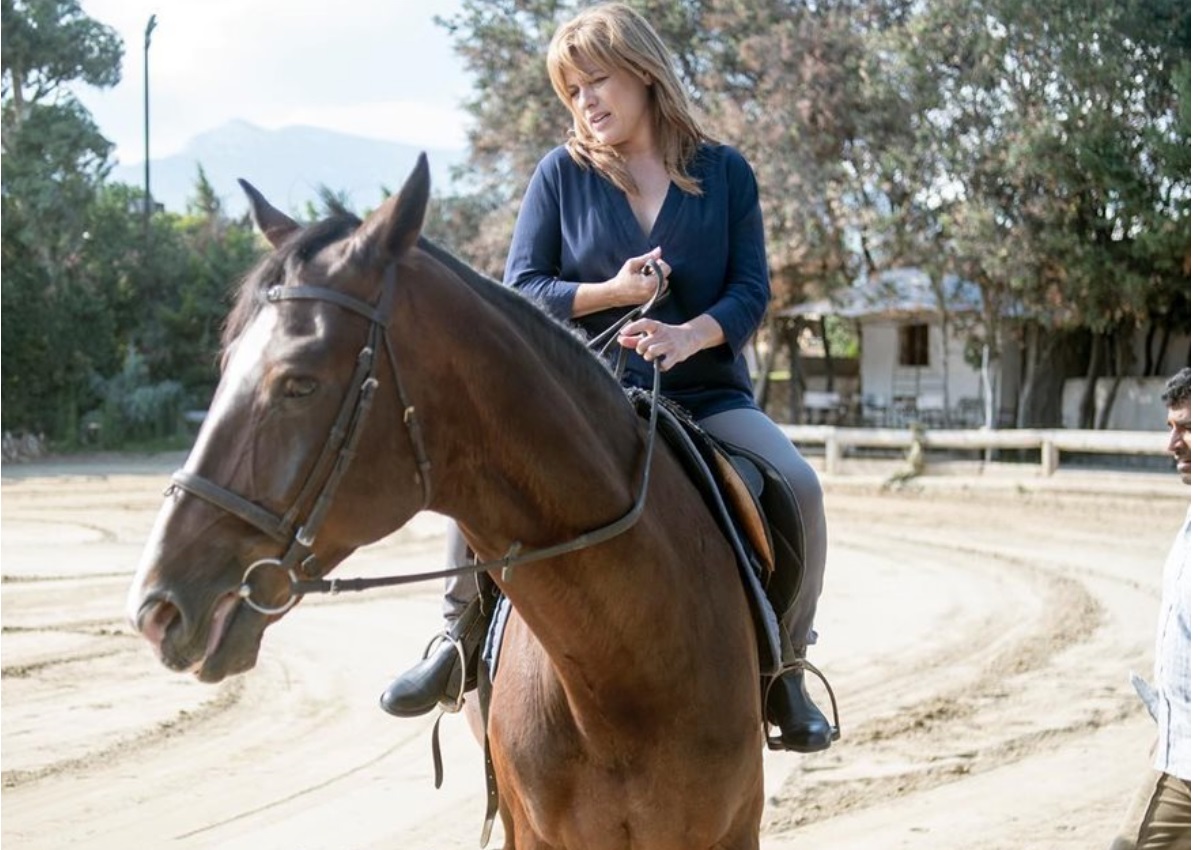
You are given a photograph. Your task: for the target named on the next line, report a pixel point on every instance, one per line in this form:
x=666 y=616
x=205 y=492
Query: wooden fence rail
x=1051 y=442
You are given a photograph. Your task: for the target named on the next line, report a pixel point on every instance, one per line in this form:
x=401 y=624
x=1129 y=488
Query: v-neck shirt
x=576 y=228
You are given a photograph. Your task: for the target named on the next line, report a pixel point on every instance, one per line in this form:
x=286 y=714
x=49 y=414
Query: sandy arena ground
x=979 y=630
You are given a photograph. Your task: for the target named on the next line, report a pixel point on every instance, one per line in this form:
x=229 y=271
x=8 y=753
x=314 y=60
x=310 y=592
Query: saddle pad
x=687 y=443
x=495 y=636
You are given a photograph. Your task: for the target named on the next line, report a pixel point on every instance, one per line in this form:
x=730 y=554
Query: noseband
x=290 y=528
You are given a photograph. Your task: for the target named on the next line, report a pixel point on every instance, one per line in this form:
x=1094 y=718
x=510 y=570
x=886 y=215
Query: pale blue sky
x=378 y=68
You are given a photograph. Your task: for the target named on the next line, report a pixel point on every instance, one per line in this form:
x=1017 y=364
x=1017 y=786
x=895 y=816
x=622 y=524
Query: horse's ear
x=273 y=224
x=395 y=226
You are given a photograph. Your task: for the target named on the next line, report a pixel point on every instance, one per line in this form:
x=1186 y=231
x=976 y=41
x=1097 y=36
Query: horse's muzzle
x=154 y=619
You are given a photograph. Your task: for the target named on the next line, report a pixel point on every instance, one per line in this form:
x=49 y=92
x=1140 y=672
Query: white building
x=913 y=352
x=914 y=362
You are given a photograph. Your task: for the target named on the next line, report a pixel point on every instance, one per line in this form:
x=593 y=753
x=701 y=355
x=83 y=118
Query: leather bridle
x=293 y=528
x=298 y=532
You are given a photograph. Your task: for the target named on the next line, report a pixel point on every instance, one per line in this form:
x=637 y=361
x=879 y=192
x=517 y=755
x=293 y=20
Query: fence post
x=833 y=453
x=1049 y=457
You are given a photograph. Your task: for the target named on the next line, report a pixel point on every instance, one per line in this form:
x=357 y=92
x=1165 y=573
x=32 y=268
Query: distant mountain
x=287 y=166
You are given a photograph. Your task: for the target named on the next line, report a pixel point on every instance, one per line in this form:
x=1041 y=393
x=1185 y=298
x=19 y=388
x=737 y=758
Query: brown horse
x=625 y=711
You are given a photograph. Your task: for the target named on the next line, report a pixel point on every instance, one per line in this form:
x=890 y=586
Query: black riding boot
x=439 y=676
x=802 y=726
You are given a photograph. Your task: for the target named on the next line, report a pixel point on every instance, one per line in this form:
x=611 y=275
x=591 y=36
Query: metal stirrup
x=455 y=706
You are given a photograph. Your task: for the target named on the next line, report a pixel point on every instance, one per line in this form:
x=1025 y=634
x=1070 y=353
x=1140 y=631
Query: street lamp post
x=150 y=24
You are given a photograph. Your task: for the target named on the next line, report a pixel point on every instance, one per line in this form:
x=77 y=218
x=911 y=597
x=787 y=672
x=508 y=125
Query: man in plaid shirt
x=1161 y=815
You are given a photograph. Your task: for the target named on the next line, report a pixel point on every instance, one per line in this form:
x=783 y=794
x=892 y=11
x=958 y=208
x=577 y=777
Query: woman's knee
x=806 y=486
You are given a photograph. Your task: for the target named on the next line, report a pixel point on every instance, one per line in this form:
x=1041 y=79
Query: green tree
x=800 y=88
x=1052 y=140
x=516 y=115
x=54 y=320
x=168 y=296
x=54 y=156
x=219 y=251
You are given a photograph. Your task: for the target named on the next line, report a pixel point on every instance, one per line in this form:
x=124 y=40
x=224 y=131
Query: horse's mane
x=558 y=342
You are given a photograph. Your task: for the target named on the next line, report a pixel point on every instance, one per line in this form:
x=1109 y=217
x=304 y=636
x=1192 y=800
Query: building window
x=914 y=345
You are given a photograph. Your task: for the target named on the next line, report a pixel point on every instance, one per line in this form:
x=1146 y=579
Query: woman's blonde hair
x=613 y=36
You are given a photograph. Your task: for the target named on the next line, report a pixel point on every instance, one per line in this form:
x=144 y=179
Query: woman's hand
x=636 y=283
x=671 y=344
x=633 y=285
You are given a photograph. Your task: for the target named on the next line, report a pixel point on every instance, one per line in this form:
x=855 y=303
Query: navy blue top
x=576 y=227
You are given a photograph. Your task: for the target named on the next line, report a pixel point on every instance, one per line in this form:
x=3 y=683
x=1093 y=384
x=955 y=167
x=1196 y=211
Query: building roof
x=893 y=292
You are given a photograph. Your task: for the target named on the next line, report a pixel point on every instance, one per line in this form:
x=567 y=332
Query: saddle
x=755 y=508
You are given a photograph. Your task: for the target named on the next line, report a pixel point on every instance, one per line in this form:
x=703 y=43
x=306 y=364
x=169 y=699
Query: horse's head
x=306 y=348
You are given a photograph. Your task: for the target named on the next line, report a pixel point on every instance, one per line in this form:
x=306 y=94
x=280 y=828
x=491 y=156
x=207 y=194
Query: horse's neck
x=530 y=452
x=530 y=449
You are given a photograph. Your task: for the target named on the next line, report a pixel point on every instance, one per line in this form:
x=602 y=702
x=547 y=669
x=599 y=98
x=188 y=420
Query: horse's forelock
x=301 y=248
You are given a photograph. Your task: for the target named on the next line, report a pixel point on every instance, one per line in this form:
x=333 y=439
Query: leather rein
x=298 y=533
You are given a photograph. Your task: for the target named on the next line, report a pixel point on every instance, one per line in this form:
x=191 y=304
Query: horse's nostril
x=155 y=618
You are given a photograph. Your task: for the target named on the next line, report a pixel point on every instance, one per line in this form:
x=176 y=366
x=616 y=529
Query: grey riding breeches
x=753 y=430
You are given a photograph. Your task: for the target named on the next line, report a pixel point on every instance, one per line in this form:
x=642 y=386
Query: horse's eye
x=299 y=387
